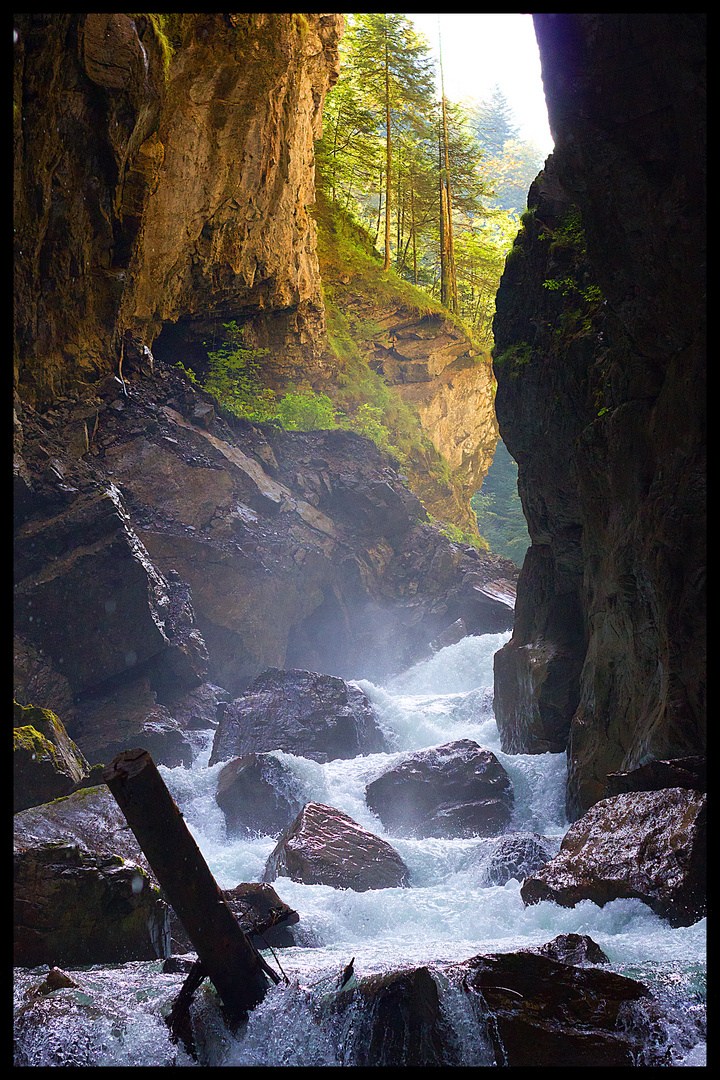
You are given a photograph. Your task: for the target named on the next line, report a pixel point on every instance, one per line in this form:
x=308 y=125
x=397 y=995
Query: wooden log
x=229 y=959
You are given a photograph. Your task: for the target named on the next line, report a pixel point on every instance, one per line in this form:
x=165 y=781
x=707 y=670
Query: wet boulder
x=397 y=1020
x=645 y=844
x=516 y=856
x=454 y=790
x=46 y=762
x=260 y=911
x=198 y=709
x=76 y=907
x=573 y=949
x=542 y=1012
x=323 y=846
x=89 y=597
x=89 y=817
x=320 y=717
x=258 y=795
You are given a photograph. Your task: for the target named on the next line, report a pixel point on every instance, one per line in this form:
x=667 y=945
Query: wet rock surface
x=401 y=1022
x=516 y=856
x=258 y=794
x=649 y=845
x=76 y=907
x=457 y=789
x=573 y=949
x=320 y=717
x=324 y=846
x=554 y=1014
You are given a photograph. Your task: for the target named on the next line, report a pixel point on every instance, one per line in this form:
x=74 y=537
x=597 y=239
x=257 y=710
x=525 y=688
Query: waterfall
x=452 y=910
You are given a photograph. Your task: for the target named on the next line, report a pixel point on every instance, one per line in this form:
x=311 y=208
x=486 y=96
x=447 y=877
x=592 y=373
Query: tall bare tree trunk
x=450 y=238
x=388 y=159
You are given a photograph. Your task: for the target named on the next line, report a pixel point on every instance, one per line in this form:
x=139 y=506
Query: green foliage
x=305 y=410
x=235 y=377
x=459 y=536
x=516 y=356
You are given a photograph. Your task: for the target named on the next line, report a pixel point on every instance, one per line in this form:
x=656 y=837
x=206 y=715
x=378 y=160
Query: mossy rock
x=46 y=762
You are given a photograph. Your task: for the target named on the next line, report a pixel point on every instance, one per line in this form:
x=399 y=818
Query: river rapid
x=450 y=912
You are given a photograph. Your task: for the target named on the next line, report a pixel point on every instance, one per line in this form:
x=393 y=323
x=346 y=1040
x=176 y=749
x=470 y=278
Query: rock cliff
x=600 y=334
x=164 y=181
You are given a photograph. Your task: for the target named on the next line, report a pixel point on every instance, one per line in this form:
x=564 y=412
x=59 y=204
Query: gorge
x=168 y=555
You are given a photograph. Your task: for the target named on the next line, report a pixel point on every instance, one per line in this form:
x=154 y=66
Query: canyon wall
x=599 y=356
x=160 y=183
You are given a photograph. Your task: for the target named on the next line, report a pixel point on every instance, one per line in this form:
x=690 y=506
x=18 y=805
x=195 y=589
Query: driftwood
x=226 y=954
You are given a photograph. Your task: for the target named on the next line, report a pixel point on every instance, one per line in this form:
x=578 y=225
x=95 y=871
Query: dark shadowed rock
x=454 y=790
x=260 y=911
x=399 y=1022
x=258 y=794
x=127 y=716
x=689 y=772
x=320 y=717
x=323 y=846
x=647 y=844
x=548 y=1013
x=75 y=907
x=198 y=709
x=573 y=949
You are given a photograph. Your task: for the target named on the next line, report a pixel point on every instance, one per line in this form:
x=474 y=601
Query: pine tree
x=394 y=68
x=493 y=123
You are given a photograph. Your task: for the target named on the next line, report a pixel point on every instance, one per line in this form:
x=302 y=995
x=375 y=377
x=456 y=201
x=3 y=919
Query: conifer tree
x=394 y=68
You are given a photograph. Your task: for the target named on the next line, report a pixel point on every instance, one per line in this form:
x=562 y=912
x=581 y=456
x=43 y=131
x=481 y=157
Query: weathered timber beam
x=229 y=959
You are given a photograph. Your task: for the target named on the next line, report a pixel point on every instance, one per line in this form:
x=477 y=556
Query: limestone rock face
x=599 y=357
x=454 y=790
x=166 y=185
x=323 y=846
x=646 y=844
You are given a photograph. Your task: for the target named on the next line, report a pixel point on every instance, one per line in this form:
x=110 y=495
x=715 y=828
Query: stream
x=451 y=911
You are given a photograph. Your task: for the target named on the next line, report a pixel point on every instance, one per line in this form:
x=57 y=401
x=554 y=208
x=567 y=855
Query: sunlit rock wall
x=157 y=188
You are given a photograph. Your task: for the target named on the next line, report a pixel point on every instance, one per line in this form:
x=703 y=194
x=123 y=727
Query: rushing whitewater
x=450 y=912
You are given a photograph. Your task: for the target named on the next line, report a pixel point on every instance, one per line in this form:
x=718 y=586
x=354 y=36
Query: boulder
x=258 y=794
x=397 y=1021
x=89 y=818
x=543 y=1012
x=88 y=595
x=646 y=844
x=46 y=762
x=457 y=789
x=76 y=907
x=320 y=717
x=323 y=846
x=516 y=856
x=573 y=949
x=260 y=911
